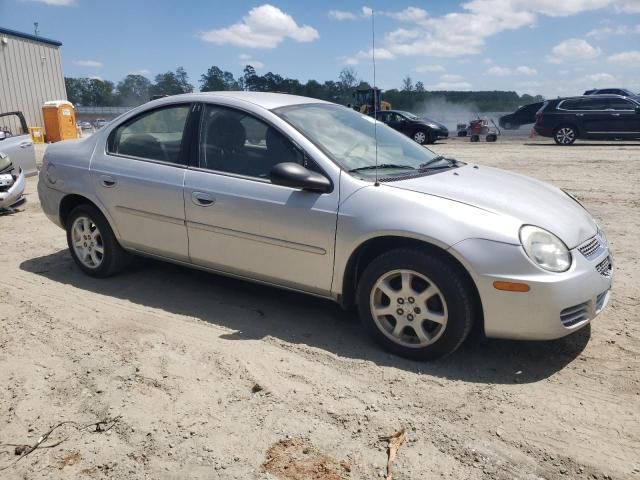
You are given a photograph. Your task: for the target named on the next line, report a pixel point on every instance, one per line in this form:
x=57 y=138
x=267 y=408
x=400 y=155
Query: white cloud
x=342 y=15
x=487 y=61
x=604 y=32
x=246 y=59
x=263 y=27
x=498 y=71
x=450 y=86
x=57 y=3
x=524 y=70
x=630 y=58
x=381 y=54
x=465 y=32
x=429 y=69
x=367 y=12
x=573 y=49
x=88 y=63
x=451 y=78
x=144 y=72
x=600 y=78
x=409 y=14
x=637 y=28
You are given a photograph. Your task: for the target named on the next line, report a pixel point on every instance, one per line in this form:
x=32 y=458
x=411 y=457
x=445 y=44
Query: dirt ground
x=202 y=377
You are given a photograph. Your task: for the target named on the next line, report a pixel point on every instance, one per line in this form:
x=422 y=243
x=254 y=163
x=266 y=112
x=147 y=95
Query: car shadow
x=255 y=311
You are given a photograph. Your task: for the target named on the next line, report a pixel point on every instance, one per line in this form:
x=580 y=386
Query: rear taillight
x=539 y=118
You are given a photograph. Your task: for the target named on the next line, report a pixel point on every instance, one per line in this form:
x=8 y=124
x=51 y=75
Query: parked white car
x=16 y=142
x=326 y=201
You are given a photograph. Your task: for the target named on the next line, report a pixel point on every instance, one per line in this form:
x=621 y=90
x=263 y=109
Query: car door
x=592 y=112
x=624 y=116
x=16 y=142
x=398 y=122
x=241 y=223
x=139 y=179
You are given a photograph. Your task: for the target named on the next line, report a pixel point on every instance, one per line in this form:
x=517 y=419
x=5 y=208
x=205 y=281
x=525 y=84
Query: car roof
x=266 y=100
x=591 y=97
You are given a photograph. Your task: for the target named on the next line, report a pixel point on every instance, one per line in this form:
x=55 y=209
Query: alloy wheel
x=87 y=242
x=565 y=135
x=408 y=308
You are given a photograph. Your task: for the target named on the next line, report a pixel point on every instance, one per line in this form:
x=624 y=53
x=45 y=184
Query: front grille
x=590 y=247
x=604 y=267
x=574 y=315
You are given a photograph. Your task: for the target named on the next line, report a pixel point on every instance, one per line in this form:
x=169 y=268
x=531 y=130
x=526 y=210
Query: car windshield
x=349 y=138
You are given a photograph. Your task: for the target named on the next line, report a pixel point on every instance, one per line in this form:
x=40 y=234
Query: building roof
x=6 y=31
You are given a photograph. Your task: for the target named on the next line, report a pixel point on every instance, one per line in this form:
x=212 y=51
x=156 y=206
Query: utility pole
x=36 y=32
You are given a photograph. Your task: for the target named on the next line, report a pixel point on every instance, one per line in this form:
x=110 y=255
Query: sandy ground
x=177 y=355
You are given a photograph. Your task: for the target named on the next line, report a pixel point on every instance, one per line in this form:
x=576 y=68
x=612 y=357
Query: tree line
x=134 y=89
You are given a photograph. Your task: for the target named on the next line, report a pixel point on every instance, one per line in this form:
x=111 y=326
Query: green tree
x=172 y=83
x=133 y=90
x=419 y=87
x=215 y=79
x=407 y=84
x=75 y=89
x=348 y=79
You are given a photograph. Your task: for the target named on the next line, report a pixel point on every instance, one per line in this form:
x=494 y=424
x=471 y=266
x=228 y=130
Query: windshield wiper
x=428 y=165
x=382 y=165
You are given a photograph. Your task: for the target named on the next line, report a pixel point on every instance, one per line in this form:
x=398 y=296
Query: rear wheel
x=415 y=304
x=475 y=138
x=420 y=137
x=92 y=244
x=565 y=135
x=492 y=137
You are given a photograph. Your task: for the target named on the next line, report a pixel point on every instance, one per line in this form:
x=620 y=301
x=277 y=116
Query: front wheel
x=415 y=304
x=92 y=243
x=565 y=135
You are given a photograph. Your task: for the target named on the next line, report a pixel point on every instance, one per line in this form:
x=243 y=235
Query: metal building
x=30 y=74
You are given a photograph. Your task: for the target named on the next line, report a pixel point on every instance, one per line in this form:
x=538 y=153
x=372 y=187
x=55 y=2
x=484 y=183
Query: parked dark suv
x=522 y=116
x=421 y=130
x=592 y=116
x=610 y=91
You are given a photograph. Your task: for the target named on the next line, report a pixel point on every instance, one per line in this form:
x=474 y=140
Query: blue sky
x=552 y=47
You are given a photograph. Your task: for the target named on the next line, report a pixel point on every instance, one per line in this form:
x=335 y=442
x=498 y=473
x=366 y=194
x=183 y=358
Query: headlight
x=433 y=125
x=545 y=249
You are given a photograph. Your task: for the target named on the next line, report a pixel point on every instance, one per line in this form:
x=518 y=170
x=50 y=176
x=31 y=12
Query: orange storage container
x=59 y=120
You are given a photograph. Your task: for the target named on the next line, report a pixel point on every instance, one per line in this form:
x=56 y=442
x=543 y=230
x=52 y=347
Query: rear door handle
x=202 y=199
x=615 y=114
x=107 y=181
x=25 y=144
x=579 y=114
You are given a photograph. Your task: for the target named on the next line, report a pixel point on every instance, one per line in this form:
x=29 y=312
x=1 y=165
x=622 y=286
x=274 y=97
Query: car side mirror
x=638 y=109
x=294 y=175
x=2 y=135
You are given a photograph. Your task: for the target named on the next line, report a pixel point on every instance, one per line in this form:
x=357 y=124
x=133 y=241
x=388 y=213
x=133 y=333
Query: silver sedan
x=314 y=197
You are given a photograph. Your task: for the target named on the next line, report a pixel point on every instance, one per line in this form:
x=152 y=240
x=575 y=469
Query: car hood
x=525 y=199
x=426 y=121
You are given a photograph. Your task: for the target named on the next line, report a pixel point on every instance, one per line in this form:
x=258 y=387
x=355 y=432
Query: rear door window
x=155 y=135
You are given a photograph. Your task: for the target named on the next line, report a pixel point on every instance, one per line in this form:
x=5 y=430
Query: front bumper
x=556 y=305
x=13 y=194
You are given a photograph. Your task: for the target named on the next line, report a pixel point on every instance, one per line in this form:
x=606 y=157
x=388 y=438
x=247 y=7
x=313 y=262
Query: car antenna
x=375 y=92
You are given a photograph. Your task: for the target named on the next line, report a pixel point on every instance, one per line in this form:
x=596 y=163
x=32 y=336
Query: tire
x=462 y=133
x=449 y=301
x=420 y=136
x=565 y=135
x=97 y=254
x=492 y=137
x=475 y=138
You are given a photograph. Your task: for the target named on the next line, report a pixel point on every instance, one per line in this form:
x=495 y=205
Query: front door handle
x=202 y=199
x=107 y=181
x=615 y=114
x=26 y=144
x=579 y=114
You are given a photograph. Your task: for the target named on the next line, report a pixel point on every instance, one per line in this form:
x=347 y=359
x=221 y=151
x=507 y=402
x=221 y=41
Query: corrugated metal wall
x=30 y=74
